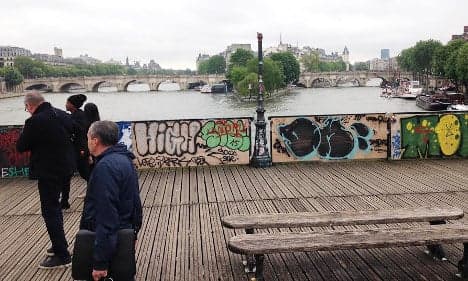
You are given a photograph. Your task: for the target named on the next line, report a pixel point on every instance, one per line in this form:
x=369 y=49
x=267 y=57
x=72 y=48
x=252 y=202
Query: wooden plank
x=301 y=219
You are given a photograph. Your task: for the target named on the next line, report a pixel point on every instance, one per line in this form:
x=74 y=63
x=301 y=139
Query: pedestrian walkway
x=182 y=237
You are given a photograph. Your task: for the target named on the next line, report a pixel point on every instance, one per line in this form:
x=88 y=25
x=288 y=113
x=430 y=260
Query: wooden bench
x=255 y=246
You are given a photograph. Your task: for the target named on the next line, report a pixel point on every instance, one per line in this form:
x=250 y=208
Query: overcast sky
x=174 y=32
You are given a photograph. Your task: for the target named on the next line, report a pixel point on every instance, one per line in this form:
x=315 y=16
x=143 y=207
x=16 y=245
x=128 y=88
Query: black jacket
x=81 y=124
x=112 y=202
x=48 y=135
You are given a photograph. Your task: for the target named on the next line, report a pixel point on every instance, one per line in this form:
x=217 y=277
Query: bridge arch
x=321 y=82
x=96 y=86
x=66 y=86
x=39 y=86
x=168 y=82
x=353 y=80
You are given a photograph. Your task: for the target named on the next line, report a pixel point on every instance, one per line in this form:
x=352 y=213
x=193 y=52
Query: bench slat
x=310 y=219
x=284 y=242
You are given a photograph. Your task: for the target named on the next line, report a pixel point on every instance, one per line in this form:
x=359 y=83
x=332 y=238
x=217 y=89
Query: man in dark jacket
x=112 y=200
x=47 y=134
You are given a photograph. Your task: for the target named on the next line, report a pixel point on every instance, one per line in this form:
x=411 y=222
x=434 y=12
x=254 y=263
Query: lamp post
x=261 y=156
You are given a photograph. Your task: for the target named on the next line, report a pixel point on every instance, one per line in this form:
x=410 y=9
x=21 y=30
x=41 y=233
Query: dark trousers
x=84 y=170
x=49 y=193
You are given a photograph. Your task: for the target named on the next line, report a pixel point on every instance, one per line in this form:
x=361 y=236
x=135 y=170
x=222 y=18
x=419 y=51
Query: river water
x=166 y=105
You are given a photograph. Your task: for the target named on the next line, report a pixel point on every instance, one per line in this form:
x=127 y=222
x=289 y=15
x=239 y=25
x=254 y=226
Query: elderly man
x=47 y=135
x=112 y=200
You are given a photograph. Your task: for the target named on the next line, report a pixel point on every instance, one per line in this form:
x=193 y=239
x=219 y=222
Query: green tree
x=240 y=58
x=289 y=66
x=28 y=67
x=2 y=71
x=424 y=54
x=361 y=66
x=238 y=73
x=243 y=85
x=13 y=77
x=273 y=78
x=406 y=59
x=462 y=67
x=214 y=65
x=131 y=71
x=311 y=62
x=450 y=66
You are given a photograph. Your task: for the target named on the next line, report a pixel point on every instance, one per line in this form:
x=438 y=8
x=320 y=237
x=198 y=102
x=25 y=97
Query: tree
x=273 y=77
x=13 y=77
x=131 y=71
x=28 y=67
x=462 y=67
x=311 y=62
x=240 y=58
x=238 y=73
x=289 y=66
x=214 y=65
x=243 y=85
x=361 y=66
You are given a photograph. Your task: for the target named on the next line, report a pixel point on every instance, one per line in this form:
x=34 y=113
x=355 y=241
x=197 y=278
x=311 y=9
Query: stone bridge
x=91 y=84
x=334 y=79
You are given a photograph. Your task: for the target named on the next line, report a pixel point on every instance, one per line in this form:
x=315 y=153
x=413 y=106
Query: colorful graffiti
x=440 y=135
x=12 y=163
x=125 y=134
x=183 y=143
x=329 y=137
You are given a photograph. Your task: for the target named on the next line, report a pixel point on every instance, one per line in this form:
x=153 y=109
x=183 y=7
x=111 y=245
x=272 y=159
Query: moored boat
x=205 y=89
x=431 y=103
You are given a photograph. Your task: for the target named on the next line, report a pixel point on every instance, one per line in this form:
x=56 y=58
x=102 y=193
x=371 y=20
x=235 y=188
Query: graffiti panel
x=335 y=137
x=12 y=163
x=125 y=134
x=181 y=143
x=438 y=135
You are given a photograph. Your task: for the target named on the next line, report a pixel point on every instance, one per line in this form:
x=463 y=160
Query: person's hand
x=98 y=274
x=90 y=160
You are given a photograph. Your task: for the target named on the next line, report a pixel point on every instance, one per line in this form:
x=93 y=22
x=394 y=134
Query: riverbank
x=10 y=95
x=266 y=96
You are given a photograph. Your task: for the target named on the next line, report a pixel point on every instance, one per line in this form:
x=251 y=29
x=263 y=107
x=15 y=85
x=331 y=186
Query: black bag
x=122 y=266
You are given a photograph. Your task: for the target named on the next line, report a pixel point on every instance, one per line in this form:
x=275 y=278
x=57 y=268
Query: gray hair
x=33 y=98
x=106 y=131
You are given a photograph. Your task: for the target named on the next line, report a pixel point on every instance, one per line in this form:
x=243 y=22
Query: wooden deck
x=182 y=237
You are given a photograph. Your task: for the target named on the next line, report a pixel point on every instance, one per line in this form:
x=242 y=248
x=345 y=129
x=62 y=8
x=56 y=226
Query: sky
x=174 y=32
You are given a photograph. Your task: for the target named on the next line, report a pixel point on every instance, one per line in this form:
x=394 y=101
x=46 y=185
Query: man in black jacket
x=112 y=200
x=47 y=134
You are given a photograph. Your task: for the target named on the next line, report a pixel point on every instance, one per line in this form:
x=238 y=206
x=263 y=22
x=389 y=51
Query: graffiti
x=12 y=163
x=233 y=135
x=15 y=172
x=279 y=147
x=396 y=144
x=173 y=138
x=125 y=134
x=434 y=136
x=329 y=139
x=181 y=143
x=166 y=161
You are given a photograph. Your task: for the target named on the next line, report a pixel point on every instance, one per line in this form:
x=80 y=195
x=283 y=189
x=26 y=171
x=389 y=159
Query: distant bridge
x=334 y=79
x=92 y=84
x=121 y=82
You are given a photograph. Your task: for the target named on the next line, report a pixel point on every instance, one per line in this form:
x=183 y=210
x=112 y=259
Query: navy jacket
x=48 y=134
x=112 y=202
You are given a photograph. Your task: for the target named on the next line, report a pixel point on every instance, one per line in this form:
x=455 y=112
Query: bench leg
x=249 y=262
x=259 y=273
x=436 y=251
x=463 y=263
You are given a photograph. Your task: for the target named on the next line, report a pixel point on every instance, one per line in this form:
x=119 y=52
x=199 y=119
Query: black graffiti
x=173 y=138
x=279 y=147
x=166 y=161
x=224 y=155
x=330 y=140
x=379 y=119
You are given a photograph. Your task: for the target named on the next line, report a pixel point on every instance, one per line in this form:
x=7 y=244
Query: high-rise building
x=385 y=54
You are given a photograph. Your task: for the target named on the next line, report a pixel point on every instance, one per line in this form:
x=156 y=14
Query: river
x=166 y=105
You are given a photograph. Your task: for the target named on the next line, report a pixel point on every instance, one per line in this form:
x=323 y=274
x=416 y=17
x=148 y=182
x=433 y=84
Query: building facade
x=385 y=54
x=9 y=53
x=463 y=36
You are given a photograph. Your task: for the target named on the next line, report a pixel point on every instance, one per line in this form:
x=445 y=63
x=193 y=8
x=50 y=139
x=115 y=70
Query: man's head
x=102 y=135
x=32 y=100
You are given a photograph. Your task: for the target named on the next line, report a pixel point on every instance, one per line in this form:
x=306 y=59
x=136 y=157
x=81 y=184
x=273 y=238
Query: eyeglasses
x=26 y=108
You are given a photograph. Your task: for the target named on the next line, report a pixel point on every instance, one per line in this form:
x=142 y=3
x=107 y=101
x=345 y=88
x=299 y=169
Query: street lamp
x=261 y=156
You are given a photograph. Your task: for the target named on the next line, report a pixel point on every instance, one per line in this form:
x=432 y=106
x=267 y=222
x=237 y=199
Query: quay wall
x=198 y=142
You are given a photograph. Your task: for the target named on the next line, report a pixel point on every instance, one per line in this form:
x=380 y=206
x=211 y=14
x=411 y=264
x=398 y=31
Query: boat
x=460 y=107
x=205 y=89
x=431 y=103
x=219 y=88
x=407 y=90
